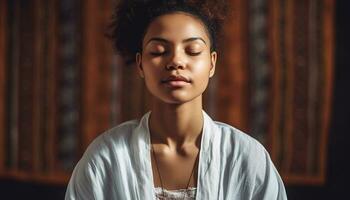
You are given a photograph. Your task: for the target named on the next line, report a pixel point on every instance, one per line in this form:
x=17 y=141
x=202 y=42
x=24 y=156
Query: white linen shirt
x=232 y=165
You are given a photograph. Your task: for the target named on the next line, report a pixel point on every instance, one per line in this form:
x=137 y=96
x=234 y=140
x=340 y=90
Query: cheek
x=202 y=68
x=153 y=61
x=151 y=72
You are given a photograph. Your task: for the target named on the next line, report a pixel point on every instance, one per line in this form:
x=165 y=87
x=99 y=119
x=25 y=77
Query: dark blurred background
x=336 y=186
x=337 y=174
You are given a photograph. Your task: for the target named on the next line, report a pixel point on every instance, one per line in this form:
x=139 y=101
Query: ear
x=139 y=64
x=213 y=57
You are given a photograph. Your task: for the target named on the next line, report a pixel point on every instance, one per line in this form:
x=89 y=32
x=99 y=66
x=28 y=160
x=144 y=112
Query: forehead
x=176 y=26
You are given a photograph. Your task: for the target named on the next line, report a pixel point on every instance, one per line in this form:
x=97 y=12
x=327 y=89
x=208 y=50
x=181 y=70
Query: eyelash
x=165 y=52
x=157 y=54
x=194 y=54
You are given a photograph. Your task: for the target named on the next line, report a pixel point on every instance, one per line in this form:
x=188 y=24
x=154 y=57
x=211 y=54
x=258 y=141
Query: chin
x=178 y=99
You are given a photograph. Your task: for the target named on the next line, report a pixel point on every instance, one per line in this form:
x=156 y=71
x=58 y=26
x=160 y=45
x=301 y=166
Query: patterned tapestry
x=303 y=78
x=281 y=73
x=62 y=85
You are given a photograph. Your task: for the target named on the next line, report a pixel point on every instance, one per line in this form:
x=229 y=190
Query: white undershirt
x=183 y=194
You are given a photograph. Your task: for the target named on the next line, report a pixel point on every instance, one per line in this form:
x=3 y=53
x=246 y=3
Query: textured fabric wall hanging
x=301 y=56
x=273 y=80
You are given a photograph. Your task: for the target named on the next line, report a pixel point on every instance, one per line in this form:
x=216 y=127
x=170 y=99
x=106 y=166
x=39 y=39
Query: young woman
x=175 y=151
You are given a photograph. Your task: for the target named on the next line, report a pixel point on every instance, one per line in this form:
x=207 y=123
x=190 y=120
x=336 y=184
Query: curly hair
x=131 y=19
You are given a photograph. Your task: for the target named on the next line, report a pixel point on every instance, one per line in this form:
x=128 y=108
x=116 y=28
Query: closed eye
x=194 y=53
x=158 y=53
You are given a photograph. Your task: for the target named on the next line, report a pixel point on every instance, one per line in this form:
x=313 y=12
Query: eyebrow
x=159 y=39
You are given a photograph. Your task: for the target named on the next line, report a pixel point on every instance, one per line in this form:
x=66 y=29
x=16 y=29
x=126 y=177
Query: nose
x=175 y=62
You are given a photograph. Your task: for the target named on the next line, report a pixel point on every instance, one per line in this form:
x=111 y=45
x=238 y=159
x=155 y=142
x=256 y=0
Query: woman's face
x=176 y=61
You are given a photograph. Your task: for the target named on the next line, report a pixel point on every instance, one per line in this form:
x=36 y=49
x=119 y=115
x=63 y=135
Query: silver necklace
x=160 y=177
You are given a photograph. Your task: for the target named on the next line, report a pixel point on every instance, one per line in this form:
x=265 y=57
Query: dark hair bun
x=131 y=18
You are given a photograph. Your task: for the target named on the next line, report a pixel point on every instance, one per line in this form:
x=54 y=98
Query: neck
x=176 y=125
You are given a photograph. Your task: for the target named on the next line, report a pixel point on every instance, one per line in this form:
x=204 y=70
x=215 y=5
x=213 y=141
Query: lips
x=176 y=81
x=175 y=78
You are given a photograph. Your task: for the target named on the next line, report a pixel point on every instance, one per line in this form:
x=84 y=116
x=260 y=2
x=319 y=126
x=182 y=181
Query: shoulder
x=250 y=160
x=111 y=141
x=241 y=151
x=102 y=158
x=237 y=140
x=116 y=135
x=110 y=147
x=234 y=145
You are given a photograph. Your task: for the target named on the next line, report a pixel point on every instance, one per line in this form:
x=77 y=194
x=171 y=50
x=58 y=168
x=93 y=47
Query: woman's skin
x=176 y=64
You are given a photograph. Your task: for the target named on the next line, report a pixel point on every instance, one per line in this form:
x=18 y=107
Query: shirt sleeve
x=268 y=184
x=84 y=183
